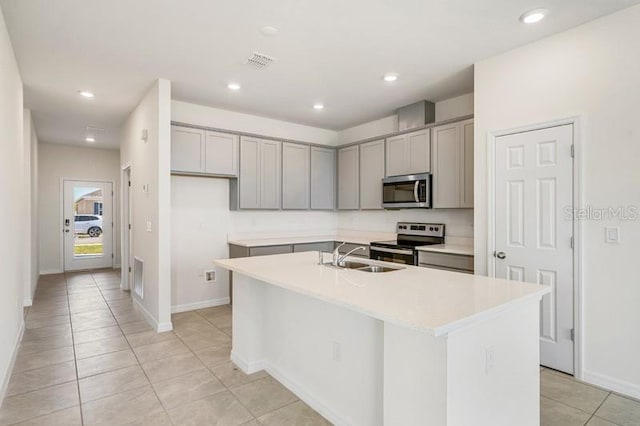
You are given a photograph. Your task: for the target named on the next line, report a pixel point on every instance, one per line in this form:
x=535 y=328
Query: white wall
x=59 y=162
x=150 y=168
x=229 y=120
x=590 y=71
x=445 y=110
x=200 y=212
x=13 y=209
x=200 y=222
x=30 y=170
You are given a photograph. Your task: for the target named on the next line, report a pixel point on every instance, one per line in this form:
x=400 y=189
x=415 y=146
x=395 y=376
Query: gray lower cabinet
x=371 y=174
x=348 y=178
x=260 y=173
x=452 y=147
x=323 y=178
x=326 y=246
x=446 y=261
x=295 y=176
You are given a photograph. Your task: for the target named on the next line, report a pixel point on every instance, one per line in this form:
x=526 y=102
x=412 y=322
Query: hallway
x=88 y=358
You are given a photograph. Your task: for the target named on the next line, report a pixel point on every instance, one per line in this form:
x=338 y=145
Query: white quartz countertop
x=437 y=302
x=448 y=248
x=356 y=238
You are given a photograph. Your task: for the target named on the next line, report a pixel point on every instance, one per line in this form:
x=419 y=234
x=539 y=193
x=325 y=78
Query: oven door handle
x=415 y=191
x=390 y=250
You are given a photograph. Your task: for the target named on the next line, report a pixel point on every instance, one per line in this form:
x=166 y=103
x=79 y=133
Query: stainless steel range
x=403 y=248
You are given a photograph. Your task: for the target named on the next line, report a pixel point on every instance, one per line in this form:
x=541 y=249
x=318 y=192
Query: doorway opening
x=87 y=225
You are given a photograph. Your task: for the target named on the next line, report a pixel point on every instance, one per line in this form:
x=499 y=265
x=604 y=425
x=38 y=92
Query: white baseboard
x=611 y=383
x=199 y=305
x=27 y=302
x=158 y=327
x=51 y=271
x=299 y=390
x=14 y=355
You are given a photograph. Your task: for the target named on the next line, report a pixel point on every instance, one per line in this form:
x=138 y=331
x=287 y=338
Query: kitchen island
x=415 y=346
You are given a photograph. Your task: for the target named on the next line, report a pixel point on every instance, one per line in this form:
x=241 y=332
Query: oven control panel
x=424 y=229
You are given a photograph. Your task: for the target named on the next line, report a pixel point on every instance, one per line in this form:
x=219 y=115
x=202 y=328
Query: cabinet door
x=446 y=166
x=187 y=146
x=295 y=176
x=348 y=175
x=249 y=180
x=371 y=174
x=419 y=152
x=221 y=154
x=466 y=179
x=396 y=156
x=323 y=178
x=270 y=174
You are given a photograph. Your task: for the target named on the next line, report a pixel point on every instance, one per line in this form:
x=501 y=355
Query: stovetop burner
x=412 y=235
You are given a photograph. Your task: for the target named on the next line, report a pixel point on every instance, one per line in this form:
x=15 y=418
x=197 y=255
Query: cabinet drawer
x=267 y=250
x=445 y=261
x=325 y=247
x=350 y=246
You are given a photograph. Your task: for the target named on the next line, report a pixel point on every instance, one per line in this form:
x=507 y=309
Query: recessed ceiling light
x=389 y=77
x=233 y=86
x=318 y=106
x=86 y=94
x=90 y=139
x=534 y=16
x=268 y=30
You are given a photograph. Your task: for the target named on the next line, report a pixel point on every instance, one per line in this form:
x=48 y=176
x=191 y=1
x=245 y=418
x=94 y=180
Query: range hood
x=416 y=115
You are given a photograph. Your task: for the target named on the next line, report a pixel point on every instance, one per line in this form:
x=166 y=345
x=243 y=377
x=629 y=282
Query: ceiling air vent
x=259 y=61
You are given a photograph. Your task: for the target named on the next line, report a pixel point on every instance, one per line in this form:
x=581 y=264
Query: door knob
x=500 y=254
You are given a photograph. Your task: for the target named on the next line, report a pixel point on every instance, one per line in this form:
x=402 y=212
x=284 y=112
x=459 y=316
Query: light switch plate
x=612 y=235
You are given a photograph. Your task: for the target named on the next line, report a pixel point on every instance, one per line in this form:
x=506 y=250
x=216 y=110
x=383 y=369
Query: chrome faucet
x=337 y=259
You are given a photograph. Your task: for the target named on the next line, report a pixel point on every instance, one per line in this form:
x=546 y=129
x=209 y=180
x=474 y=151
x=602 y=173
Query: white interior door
x=533 y=237
x=126 y=252
x=87 y=226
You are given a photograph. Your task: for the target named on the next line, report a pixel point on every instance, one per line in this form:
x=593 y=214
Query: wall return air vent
x=259 y=61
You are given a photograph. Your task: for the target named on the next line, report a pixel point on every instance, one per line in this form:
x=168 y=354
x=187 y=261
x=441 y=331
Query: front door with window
x=533 y=238
x=87 y=225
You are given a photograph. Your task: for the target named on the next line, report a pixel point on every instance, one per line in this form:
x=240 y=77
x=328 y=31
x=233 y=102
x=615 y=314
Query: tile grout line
x=134 y=354
x=596 y=410
x=73 y=345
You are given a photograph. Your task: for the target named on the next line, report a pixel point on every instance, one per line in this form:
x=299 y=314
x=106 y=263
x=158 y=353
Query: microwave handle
x=415 y=191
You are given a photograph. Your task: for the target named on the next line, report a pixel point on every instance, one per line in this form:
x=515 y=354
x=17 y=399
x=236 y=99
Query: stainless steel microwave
x=407 y=192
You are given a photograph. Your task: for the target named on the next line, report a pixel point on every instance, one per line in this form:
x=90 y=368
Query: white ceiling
x=329 y=51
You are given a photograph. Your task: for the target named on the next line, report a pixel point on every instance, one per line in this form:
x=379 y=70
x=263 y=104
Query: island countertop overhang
x=430 y=300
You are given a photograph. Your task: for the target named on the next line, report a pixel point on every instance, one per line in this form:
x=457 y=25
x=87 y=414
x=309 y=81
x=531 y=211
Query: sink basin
x=347 y=264
x=377 y=269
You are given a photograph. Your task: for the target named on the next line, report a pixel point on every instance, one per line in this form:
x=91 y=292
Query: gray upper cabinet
x=203 y=152
x=187 y=148
x=221 y=153
x=453 y=165
x=270 y=174
x=371 y=174
x=409 y=153
x=295 y=176
x=348 y=178
x=260 y=173
x=323 y=178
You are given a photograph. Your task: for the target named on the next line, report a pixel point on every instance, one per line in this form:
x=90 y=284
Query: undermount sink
x=347 y=264
x=377 y=269
x=366 y=267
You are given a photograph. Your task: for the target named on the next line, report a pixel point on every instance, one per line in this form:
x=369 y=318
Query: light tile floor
x=88 y=358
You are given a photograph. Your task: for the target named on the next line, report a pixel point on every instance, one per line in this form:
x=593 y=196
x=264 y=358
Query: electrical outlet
x=210 y=276
x=148 y=226
x=612 y=235
x=489 y=360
